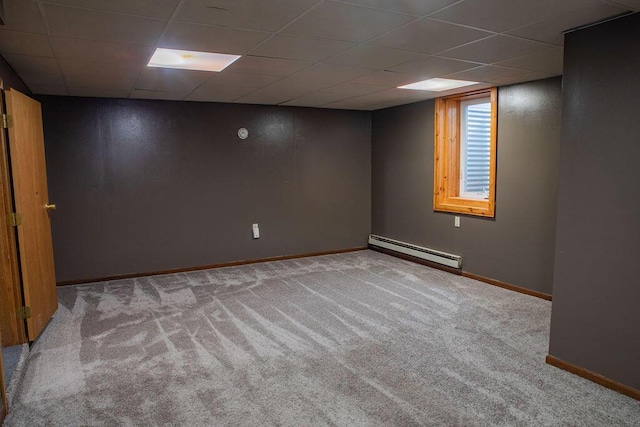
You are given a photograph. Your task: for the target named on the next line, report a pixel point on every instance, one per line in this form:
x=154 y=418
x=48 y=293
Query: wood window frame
x=446 y=183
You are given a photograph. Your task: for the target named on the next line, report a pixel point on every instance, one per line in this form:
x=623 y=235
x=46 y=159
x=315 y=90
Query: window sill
x=464 y=206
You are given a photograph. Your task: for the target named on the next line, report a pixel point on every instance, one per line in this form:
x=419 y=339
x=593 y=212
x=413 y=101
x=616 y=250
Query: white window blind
x=475 y=150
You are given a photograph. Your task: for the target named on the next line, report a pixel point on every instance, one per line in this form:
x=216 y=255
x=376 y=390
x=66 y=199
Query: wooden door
x=31 y=200
x=13 y=329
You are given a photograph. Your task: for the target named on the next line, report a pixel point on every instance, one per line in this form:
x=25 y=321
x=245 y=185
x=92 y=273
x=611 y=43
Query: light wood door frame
x=13 y=329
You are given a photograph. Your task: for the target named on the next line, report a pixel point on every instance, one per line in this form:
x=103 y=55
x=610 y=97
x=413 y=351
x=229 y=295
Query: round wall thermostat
x=243 y=133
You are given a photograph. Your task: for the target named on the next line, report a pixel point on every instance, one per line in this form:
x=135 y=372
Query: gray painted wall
x=144 y=186
x=517 y=246
x=596 y=306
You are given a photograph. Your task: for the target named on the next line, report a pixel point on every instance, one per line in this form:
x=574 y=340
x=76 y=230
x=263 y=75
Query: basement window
x=465 y=153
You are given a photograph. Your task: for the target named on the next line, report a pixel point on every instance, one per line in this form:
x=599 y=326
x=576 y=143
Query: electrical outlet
x=456 y=221
x=256 y=231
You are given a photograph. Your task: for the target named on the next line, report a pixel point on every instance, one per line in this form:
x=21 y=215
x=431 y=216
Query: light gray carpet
x=10 y=359
x=352 y=339
x=17 y=356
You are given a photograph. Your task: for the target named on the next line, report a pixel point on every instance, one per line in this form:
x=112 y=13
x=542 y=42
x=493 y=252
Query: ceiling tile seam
x=601 y=21
x=320 y=90
x=397 y=11
x=506 y=33
x=357 y=44
x=273 y=34
x=616 y=3
x=359 y=84
x=323 y=61
x=442 y=53
x=519 y=70
x=93 y=9
x=22 y=32
x=176 y=10
x=373 y=39
x=225 y=27
x=468 y=61
x=277 y=32
x=381 y=9
x=47 y=27
x=446 y=7
x=526 y=54
x=469 y=27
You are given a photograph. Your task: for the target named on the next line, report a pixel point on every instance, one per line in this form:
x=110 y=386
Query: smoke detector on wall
x=243 y=133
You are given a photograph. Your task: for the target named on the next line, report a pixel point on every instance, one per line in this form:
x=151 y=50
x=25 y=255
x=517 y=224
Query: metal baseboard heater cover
x=443 y=258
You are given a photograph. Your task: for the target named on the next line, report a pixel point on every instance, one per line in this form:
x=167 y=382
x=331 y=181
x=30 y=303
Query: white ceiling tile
x=157 y=94
x=432 y=66
x=386 y=79
x=90 y=50
x=277 y=93
x=38 y=78
x=547 y=61
x=429 y=36
x=494 y=49
x=374 y=57
x=268 y=66
x=206 y=38
x=348 y=104
x=220 y=95
x=23 y=15
x=225 y=95
x=503 y=15
x=230 y=79
x=101 y=46
x=416 y=7
x=252 y=14
x=94 y=25
x=98 y=92
x=227 y=87
x=398 y=96
x=353 y=89
x=24 y=44
x=261 y=100
x=90 y=74
x=550 y=30
x=169 y=80
x=151 y=8
x=316 y=99
x=300 y=48
x=47 y=89
x=26 y=63
x=320 y=76
x=485 y=73
x=522 y=78
x=341 y=21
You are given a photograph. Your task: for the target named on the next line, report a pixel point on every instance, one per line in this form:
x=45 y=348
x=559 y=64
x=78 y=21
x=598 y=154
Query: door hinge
x=23 y=313
x=15 y=219
x=7 y=121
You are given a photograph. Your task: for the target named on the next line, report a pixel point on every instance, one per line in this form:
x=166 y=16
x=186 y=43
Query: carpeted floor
x=352 y=339
x=10 y=359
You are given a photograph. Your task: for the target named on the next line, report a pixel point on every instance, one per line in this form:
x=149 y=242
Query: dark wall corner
x=11 y=78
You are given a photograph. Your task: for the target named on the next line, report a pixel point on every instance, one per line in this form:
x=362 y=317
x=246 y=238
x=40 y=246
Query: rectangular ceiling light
x=190 y=60
x=437 y=85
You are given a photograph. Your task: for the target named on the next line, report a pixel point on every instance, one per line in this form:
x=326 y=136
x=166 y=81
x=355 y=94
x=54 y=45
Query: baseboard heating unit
x=432 y=255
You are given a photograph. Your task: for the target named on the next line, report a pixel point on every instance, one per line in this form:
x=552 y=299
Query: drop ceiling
x=330 y=54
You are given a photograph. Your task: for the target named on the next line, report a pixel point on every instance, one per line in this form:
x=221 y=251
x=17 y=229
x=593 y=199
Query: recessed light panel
x=190 y=60
x=437 y=85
